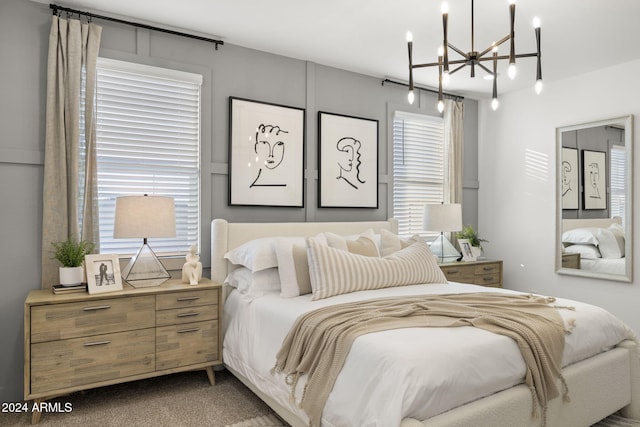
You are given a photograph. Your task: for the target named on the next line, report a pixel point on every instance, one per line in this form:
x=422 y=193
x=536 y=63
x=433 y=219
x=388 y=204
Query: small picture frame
x=594 y=179
x=465 y=248
x=103 y=273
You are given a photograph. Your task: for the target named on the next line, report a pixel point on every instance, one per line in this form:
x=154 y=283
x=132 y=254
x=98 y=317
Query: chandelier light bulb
x=411 y=97
x=538 y=86
x=409 y=37
x=441 y=106
x=446 y=78
x=512 y=1
x=512 y=71
x=440 y=50
x=495 y=104
x=536 y=22
x=444 y=8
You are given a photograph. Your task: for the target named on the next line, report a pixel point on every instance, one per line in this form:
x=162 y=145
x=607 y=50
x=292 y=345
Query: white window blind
x=148 y=142
x=418 y=169
x=617 y=167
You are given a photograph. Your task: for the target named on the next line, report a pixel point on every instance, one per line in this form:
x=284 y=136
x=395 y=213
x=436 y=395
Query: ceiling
x=368 y=36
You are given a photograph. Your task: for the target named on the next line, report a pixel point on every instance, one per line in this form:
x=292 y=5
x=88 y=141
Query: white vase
x=71 y=275
x=476 y=252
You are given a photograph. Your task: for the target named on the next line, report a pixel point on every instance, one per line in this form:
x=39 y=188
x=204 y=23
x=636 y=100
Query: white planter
x=476 y=251
x=71 y=275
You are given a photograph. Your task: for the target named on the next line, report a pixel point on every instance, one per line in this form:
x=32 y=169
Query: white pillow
x=390 y=243
x=610 y=245
x=585 y=251
x=293 y=266
x=586 y=236
x=335 y=272
x=254 y=284
x=256 y=255
x=363 y=244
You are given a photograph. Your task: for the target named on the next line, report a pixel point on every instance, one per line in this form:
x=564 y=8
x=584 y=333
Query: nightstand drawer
x=186 y=299
x=186 y=315
x=187 y=344
x=488 y=280
x=69 y=363
x=483 y=269
x=98 y=316
x=459 y=273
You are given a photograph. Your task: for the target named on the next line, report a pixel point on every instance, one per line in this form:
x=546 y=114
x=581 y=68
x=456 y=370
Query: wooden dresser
x=78 y=341
x=483 y=272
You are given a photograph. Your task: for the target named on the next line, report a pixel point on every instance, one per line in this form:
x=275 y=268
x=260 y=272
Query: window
x=418 y=169
x=148 y=141
x=617 y=167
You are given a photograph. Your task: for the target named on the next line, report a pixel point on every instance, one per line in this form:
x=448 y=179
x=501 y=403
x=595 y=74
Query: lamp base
x=442 y=248
x=145 y=269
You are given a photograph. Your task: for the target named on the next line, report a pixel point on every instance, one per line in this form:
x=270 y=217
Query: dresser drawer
x=483 y=269
x=459 y=273
x=187 y=344
x=488 y=280
x=177 y=316
x=186 y=299
x=98 y=316
x=73 y=362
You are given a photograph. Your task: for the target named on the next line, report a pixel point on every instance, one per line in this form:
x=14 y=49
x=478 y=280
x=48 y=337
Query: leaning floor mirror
x=594 y=175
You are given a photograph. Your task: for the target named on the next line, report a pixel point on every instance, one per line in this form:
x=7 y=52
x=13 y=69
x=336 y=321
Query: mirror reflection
x=594 y=199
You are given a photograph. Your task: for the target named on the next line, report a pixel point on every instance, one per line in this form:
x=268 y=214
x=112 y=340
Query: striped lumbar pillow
x=335 y=272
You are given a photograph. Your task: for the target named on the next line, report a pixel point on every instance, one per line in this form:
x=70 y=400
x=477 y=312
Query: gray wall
x=230 y=71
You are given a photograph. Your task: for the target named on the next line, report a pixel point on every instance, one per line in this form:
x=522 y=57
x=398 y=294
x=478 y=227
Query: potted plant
x=468 y=233
x=71 y=254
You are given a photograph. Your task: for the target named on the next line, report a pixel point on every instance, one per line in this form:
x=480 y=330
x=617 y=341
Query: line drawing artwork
x=566 y=178
x=269 y=147
x=594 y=177
x=349 y=162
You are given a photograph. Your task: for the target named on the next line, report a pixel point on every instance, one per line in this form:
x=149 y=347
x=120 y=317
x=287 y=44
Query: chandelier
x=474 y=58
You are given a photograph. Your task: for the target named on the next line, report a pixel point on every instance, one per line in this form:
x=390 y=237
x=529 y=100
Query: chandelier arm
x=458 y=69
x=501 y=57
x=490 y=48
x=435 y=64
x=485 y=68
x=461 y=53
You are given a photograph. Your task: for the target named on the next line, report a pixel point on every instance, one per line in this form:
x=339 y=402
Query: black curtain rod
x=57 y=9
x=426 y=89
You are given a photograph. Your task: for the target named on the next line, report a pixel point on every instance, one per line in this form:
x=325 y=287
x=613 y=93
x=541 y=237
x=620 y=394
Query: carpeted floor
x=183 y=399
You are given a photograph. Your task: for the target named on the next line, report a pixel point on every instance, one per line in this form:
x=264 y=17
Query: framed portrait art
x=347 y=161
x=103 y=273
x=266 y=154
x=570 y=185
x=594 y=179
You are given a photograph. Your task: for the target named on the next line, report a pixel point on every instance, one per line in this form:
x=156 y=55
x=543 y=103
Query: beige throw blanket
x=319 y=341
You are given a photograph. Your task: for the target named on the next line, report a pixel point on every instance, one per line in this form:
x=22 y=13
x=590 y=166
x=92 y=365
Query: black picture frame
x=347 y=161
x=266 y=154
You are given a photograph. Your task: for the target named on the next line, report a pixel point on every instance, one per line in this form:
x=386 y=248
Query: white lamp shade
x=144 y=216
x=442 y=217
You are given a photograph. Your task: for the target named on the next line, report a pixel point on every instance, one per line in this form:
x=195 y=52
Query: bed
x=600 y=243
x=602 y=377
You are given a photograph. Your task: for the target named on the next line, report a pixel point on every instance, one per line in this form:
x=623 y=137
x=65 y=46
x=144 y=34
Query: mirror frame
x=627 y=121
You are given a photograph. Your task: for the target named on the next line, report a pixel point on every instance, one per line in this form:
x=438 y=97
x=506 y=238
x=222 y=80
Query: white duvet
x=413 y=372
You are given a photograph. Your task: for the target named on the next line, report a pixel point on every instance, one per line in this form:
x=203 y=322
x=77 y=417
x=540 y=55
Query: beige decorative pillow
x=335 y=272
x=390 y=242
x=293 y=266
x=365 y=244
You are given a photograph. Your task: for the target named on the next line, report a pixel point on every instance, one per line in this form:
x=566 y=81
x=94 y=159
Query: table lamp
x=144 y=217
x=443 y=217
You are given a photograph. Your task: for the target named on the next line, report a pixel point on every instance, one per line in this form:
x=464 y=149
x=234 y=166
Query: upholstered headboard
x=228 y=235
x=572 y=224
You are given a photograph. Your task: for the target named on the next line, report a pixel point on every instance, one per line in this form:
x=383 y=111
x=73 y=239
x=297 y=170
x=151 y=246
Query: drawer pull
x=453 y=272
x=488 y=268
x=188 y=299
x=99 y=307
x=182 y=331
x=90 y=344
x=188 y=314
x=487 y=278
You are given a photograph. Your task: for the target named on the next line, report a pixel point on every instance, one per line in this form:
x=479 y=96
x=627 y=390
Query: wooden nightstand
x=78 y=341
x=483 y=272
x=571 y=260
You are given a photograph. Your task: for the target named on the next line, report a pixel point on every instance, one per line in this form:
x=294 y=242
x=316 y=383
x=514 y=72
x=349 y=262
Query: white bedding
x=604 y=265
x=396 y=374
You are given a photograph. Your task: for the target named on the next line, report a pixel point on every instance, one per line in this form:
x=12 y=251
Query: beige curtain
x=454 y=142
x=69 y=185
